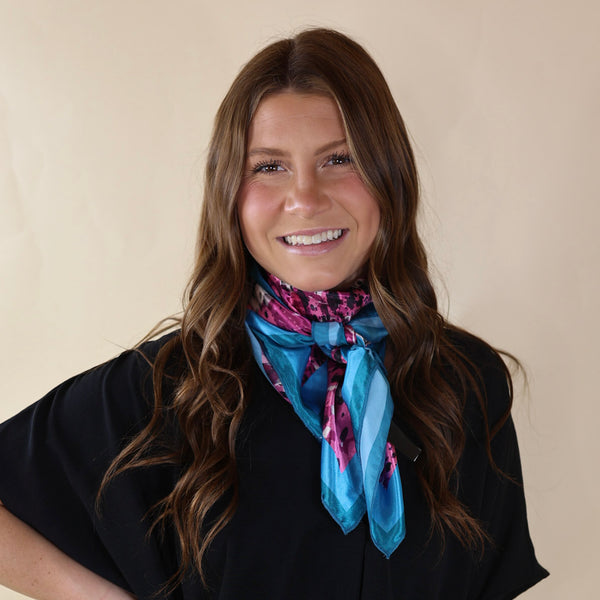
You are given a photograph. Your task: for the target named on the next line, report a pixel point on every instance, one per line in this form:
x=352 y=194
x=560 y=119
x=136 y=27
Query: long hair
x=211 y=388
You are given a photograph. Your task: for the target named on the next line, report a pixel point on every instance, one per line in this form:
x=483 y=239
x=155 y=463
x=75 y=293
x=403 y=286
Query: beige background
x=105 y=111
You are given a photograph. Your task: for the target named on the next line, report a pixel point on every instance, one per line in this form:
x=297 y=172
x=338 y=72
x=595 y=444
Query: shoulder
x=474 y=348
x=134 y=364
x=488 y=377
x=130 y=370
x=116 y=395
x=151 y=348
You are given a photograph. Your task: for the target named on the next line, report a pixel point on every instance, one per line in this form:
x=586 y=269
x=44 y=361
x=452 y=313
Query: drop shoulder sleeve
x=54 y=454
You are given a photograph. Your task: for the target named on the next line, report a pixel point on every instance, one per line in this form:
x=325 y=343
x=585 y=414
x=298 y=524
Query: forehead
x=286 y=113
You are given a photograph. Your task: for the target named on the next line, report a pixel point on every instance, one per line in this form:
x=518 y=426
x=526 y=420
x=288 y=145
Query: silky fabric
x=323 y=352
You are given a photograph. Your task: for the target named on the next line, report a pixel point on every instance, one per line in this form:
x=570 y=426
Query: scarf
x=323 y=352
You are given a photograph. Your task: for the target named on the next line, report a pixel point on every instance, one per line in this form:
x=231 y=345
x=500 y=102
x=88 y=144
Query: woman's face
x=306 y=216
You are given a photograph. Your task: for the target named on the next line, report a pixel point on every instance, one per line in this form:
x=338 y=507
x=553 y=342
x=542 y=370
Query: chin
x=318 y=284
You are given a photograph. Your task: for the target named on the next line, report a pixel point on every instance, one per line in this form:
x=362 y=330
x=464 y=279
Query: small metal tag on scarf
x=402 y=443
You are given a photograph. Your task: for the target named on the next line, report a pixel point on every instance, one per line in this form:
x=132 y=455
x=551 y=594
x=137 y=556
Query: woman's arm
x=31 y=565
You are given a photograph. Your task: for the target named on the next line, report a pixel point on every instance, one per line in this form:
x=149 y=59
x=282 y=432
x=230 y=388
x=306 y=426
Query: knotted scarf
x=323 y=352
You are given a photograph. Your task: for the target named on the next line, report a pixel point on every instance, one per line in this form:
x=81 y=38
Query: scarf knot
x=323 y=352
x=334 y=335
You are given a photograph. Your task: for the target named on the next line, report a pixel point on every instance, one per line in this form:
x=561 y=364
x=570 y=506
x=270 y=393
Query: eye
x=340 y=158
x=267 y=166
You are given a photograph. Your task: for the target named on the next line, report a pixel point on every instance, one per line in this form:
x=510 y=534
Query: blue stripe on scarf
x=347 y=504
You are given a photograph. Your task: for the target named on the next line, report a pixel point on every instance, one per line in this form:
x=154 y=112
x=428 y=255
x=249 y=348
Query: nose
x=305 y=197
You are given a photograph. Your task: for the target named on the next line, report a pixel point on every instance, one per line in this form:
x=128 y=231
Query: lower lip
x=314 y=249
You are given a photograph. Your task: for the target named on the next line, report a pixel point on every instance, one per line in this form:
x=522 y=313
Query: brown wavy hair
x=211 y=386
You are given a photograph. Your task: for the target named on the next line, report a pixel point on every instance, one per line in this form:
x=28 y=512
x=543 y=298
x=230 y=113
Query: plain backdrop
x=105 y=111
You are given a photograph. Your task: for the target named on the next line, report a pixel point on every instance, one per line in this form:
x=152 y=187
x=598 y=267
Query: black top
x=281 y=543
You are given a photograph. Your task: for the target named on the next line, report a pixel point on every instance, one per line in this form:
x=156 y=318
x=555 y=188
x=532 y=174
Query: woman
x=313 y=428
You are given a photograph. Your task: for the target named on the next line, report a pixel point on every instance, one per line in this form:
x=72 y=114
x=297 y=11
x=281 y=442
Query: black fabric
x=281 y=543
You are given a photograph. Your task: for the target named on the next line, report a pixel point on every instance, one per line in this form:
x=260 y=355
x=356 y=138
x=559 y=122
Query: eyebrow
x=279 y=152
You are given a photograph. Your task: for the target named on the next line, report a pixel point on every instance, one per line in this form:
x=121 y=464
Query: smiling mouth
x=311 y=240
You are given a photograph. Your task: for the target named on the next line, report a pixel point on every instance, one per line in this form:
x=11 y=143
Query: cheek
x=248 y=208
x=364 y=209
x=256 y=203
x=255 y=217
x=376 y=216
x=370 y=213
x=368 y=219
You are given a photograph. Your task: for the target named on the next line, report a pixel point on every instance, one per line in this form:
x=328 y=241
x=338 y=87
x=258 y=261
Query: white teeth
x=309 y=240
